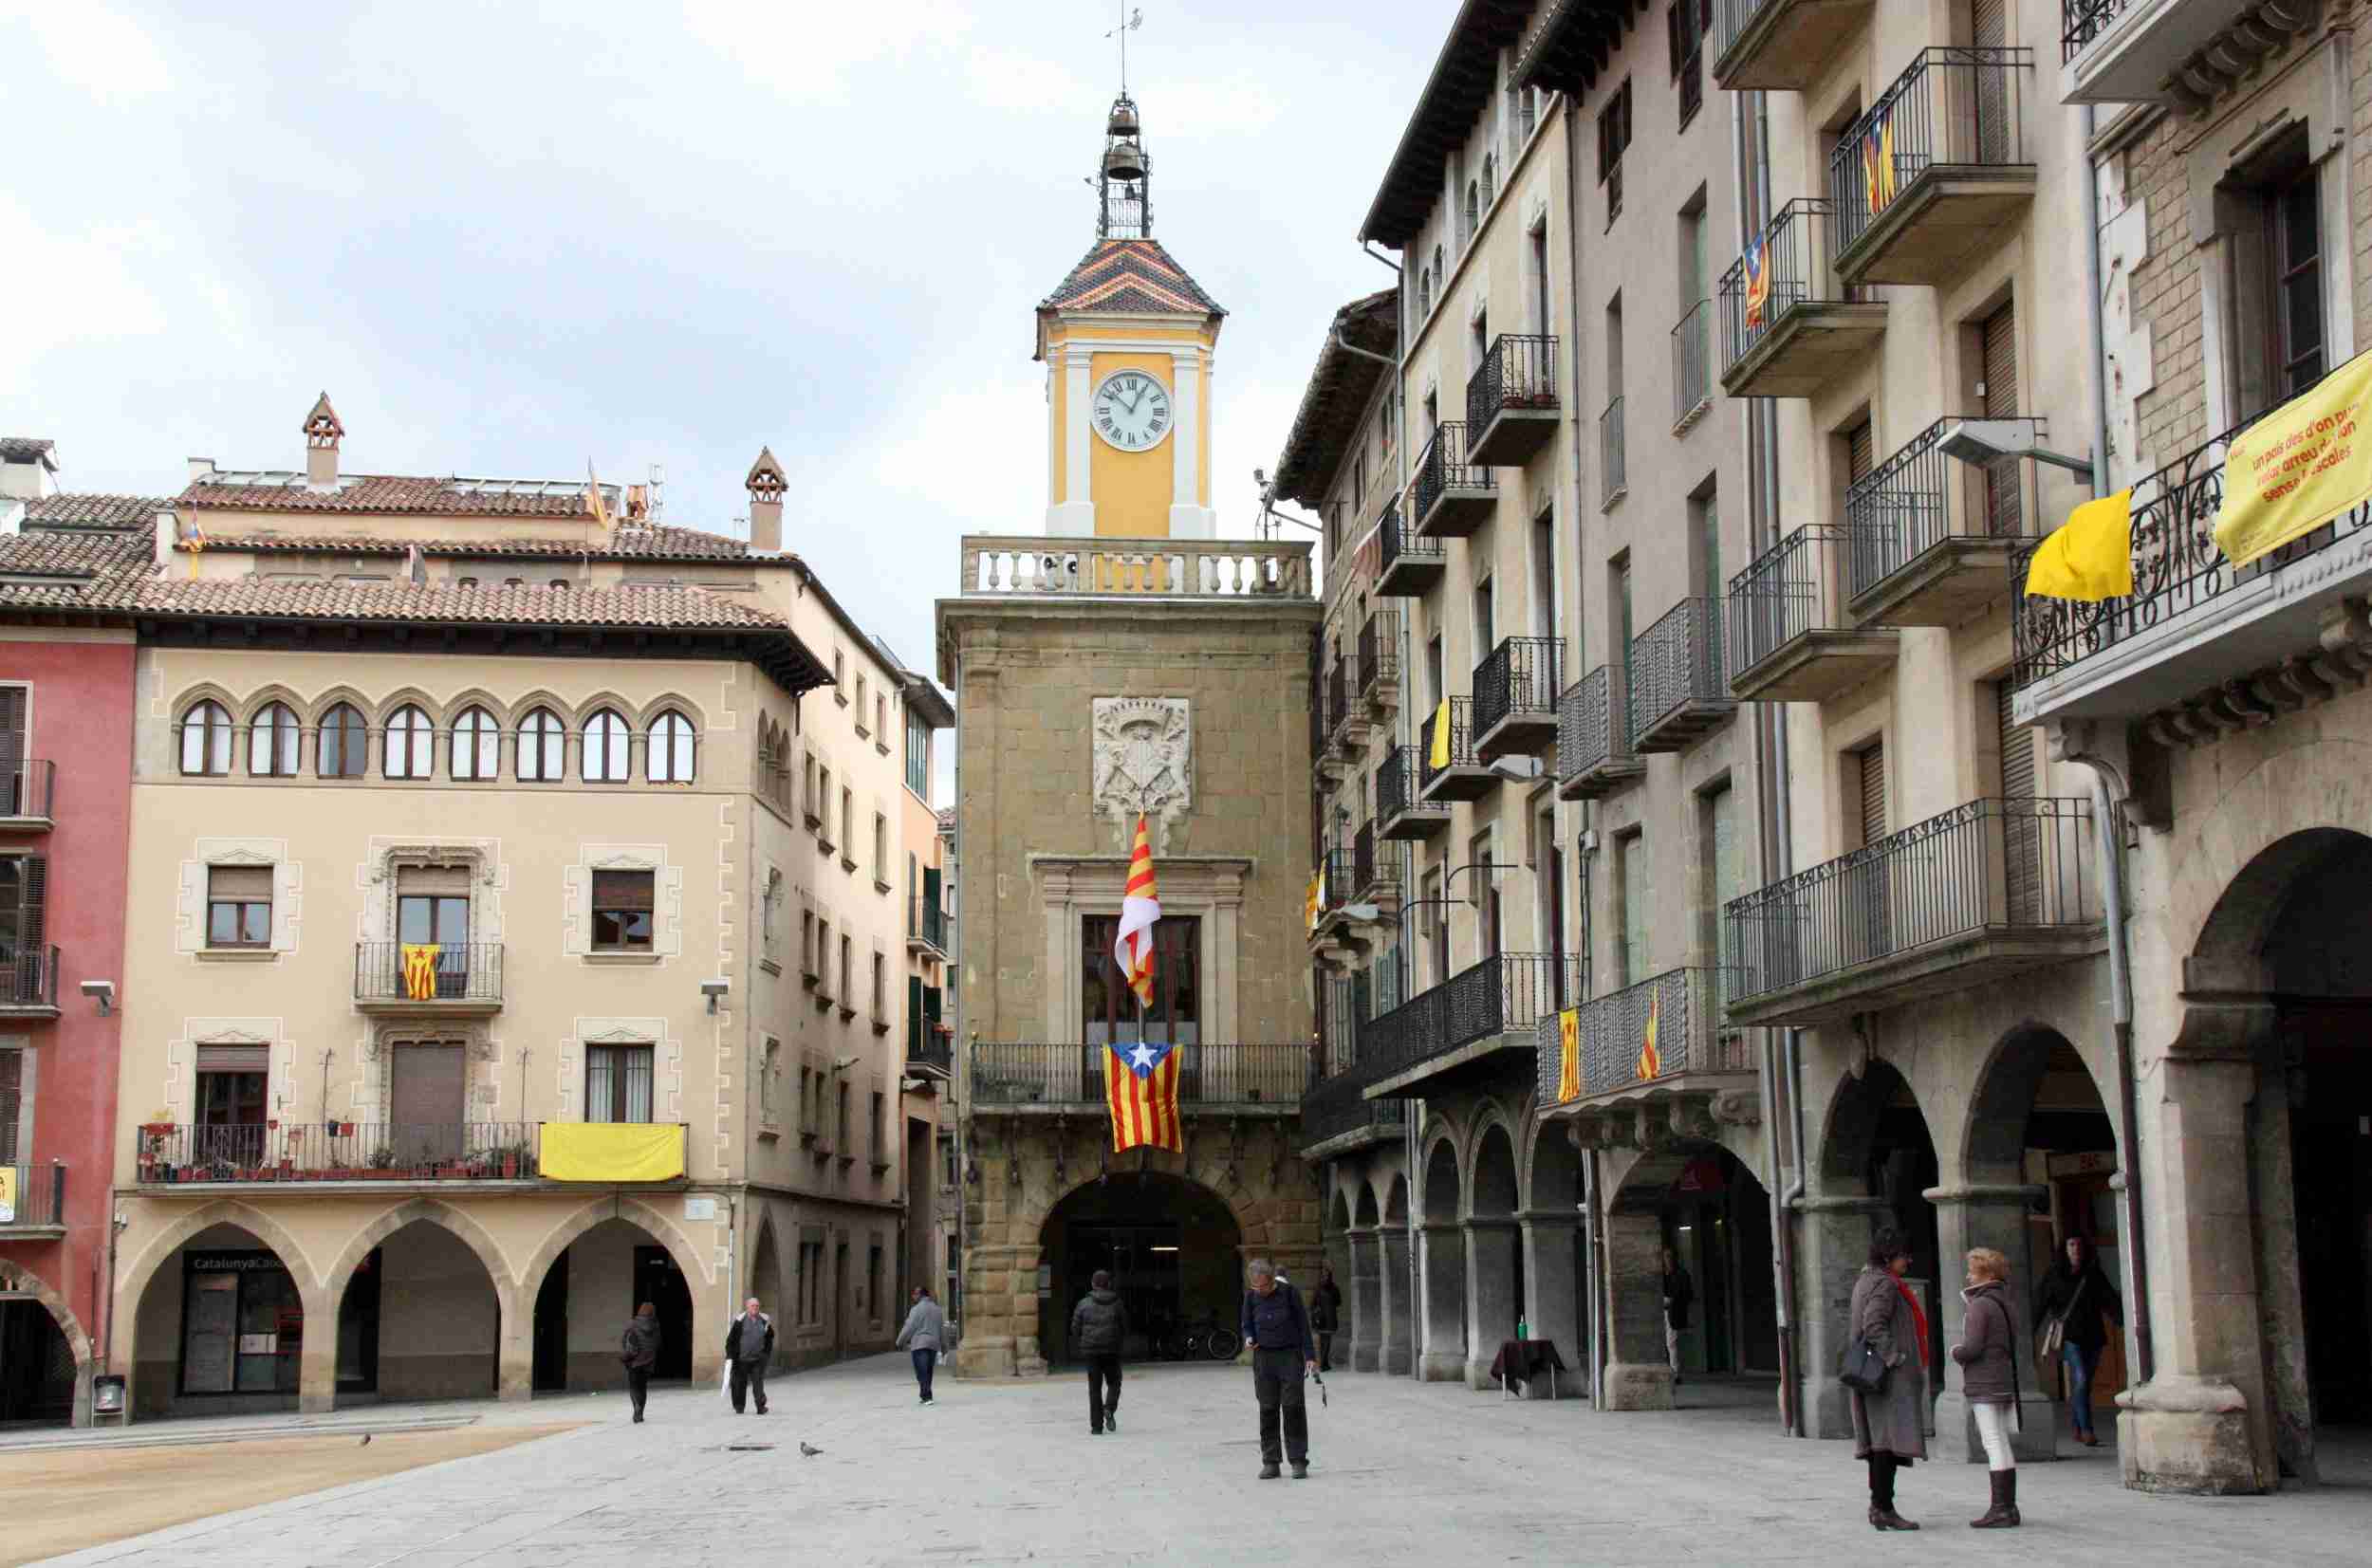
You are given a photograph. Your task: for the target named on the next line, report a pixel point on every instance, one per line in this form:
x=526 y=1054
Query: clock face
x=1130 y=410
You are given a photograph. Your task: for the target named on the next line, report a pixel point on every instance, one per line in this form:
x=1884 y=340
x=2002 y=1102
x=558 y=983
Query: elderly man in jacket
x=1277 y=1331
x=749 y=1345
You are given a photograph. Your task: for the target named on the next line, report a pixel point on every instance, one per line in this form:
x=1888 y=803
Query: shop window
x=617 y=1083
x=241 y=1324
x=238 y=906
x=621 y=911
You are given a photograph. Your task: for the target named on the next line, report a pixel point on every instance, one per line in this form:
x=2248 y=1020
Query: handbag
x=2055 y=1326
x=1862 y=1368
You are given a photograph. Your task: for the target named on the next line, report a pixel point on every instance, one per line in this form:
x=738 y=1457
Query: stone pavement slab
x=1005 y=1473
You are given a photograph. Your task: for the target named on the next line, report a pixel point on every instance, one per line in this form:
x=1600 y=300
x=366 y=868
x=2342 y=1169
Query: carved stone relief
x=1142 y=763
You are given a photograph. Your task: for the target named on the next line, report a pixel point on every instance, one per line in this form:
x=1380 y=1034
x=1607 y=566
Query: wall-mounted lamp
x=714 y=988
x=1983 y=441
x=102 y=992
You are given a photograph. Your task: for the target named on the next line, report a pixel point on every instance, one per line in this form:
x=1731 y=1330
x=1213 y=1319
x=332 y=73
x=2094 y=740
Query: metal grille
x=1518 y=676
x=1686 y=1004
x=1506 y=993
x=26 y=788
x=1947 y=877
x=1793 y=253
x=341 y=1150
x=1442 y=466
x=1951 y=107
x=1518 y=371
x=1611 y=468
x=40 y=1191
x=1676 y=663
x=1004 y=1073
x=1394 y=541
x=1369 y=871
x=1781 y=597
x=2085 y=20
x=1898 y=511
x=28 y=977
x=1592 y=727
x=1397 y=781
x=1460 y=751
x=465 y=971
x=1378 y=649
x=1337 y=1106
x=1692 y=369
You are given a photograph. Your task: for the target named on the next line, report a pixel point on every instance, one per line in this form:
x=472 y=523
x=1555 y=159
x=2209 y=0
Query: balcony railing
x=2003 y=868
x=1782 y=282
x=928 y=1049
x=1379 y=655
x=1780 y=44
x=1506 y=995
x=1336 y=1109
x=1068 y=1075
x=1953 y=114
x=1691 y=363
x=1788 y=642
x=26 y=791
x=2085 y=20
x=1511 y=399
x=1455 y=776
x=926 y=925
x=1006 y=566
x=341 y=1150
x=29 y=979
x=1913 y=519
x=1678 y=688
x=1337 y=695
x=2188 y=55
x=37 y=1198
x=1686 y=1005
x=1452 y=495
x=1399 y=805
x=1407 y=562
x=453 y=972
x=1613 y=476
x=1370 y=872
x=1594 y=736
x=1515 y=688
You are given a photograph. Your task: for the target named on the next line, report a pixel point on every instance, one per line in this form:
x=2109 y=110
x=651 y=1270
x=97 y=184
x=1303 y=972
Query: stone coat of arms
x=1144 y=764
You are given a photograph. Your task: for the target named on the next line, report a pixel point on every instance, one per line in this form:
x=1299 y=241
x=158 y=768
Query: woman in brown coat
x=1889 y=1426
x=1988 y=1354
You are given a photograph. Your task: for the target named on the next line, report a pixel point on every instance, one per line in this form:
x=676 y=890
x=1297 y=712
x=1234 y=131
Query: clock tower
x=1127 y=341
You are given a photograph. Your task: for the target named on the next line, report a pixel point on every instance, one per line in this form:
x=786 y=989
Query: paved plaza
x=1007 y=1473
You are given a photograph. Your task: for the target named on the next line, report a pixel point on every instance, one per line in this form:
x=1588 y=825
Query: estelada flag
x=1140 y=1087
x=1140 y=908
x=1650 y=1059
x=1568 y=1055
x=419 y=971
x=1757 y=281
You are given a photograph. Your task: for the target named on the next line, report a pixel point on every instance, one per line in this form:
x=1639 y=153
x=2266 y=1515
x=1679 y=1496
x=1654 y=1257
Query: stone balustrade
x=997 y=566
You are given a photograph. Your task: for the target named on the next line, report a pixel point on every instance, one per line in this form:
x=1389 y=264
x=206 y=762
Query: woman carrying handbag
x=2071 y=1311
x=1886 y=1345
x=1987 y=1353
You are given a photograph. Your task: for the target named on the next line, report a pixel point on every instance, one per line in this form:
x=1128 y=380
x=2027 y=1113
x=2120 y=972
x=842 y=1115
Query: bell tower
x=1127 y=340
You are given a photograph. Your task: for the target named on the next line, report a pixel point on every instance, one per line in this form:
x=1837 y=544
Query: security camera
x=102 y=992
x=714 y=988
x=908 y=1085
x=841 y=1065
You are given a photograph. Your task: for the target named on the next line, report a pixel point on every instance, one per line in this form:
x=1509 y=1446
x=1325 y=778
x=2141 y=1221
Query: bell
x=1123 y=120
x=1124 y=161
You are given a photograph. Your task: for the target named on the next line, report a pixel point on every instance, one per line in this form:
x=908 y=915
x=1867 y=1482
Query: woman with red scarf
x=1889 y=1426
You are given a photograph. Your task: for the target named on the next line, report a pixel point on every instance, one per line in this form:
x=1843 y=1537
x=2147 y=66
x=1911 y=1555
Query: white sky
x=508 y=238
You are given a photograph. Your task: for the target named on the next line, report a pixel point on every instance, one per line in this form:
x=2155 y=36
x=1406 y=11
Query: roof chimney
x=201 y=469
x=765 y=502
x=322 y=431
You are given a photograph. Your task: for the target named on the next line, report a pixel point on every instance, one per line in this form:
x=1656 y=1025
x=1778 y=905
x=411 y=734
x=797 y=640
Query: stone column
x=1975 y=1216
x=1554 y=1307
x=1832 y=1244
x=317 y=1357
x=1638 y=1374
x=1397 y=1312
x=1442 y=1354
x=514 y=1366
x=1490 y=1303
x=1366 y=1298
x=1028 y=1356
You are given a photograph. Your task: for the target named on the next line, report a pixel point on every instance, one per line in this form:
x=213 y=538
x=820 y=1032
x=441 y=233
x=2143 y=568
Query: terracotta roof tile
x=75 y=554
x=95 y=511
x=279 y=491
x=657 y=608
x=1135 y=276
x=28 y=449
x=629 y=541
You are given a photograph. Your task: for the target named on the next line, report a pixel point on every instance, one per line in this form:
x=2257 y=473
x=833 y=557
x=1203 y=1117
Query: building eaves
x=1335 y=400
x=1574 y=42
x=1464 y=76
x=629 y=541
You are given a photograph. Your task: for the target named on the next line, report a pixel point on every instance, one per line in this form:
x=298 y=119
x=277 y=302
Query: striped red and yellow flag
x=1140 y=1087
x=1651 y=1059
x=1140 y=908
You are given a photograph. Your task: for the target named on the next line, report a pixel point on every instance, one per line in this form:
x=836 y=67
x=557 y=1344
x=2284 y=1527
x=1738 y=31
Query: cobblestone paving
x=1403 y=1472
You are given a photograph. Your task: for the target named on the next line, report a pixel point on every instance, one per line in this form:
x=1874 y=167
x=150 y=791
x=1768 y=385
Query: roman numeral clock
x=1130 y=410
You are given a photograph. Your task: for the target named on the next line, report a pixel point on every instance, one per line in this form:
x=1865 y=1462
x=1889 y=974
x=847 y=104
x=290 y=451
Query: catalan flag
x=419 y=971
x=1140 y=908
x=1651 y=1059
x=1568 y=1056
x=1878 y=182
x=1757 y=281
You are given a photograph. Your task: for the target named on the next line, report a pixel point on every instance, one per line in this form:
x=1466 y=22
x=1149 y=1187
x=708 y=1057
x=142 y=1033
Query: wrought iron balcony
x=1788 y=643
x=1515 y=698
x=1594 y=755
x=1451 y=495
x=29 y=982
x=1340 y=687
x=1985 y=891
x=930 y=1051
x=1461 y=774
x=1696 y=1054
x=2185 y=54
x=1692 y=365
x=1408 y=563
x=454 y=977
x=1492 y=1007
x=926 y=928
x=1338 y=1120
x=1781 y=44
x=1375 y=877
x=1789 y=327
x=339 y=1152
x=1009 y=1079
x=1935 y=173
x=37 y=1204
x=1402 y=811
x=1932 y=536
x=1380 y=661
x=26 y=792
x=1678 y=691
x=1511 y=400
x=1613 y=472
x=2200 y=647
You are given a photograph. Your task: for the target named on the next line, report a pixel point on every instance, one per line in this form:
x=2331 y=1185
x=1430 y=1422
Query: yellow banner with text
x=2299 y=467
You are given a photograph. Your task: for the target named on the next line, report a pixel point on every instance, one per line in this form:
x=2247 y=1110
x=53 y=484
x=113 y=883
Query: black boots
x=1881 y=1495
x=2003 y=1515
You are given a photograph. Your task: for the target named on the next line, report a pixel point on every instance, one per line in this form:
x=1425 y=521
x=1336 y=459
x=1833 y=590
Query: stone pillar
x=1638 y=1374
x=1832 y=1244
x=1967 y=1217
x=515 y=1365
x=317 y=1358
x=1442 y=1354
x=1554 y=1306
x=987 y=1346
x=2201 y=1424
x=1397 y=1312
x=1366 y=1298
x=1028 y=1356
x=1490 y=1303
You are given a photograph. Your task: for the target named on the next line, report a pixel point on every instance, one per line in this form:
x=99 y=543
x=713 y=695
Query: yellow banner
x=8 y=1193
x=2298 y=467
x=2090 y=557
x=1440 y=754
x=611 y=1150
x=1568 y=1055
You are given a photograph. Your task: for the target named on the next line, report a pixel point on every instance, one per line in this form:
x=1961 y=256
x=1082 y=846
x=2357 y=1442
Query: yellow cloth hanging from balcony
x=1315 y=901
x=419 y=971
x=1440 y=754
x=1651 y=1059
x=2300 y=467
x=1568 y=1055
x=2090 y=557
x=611 y=1150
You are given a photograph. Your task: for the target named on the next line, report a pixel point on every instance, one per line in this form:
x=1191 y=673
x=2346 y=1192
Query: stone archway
x=1442 y=1354
x=1338 y=1254
x=1556 y=1275
x=765 y=1282
x=602 y=1291
x=427 y=1309
x=186 y=1309
x=1174 y=1247
x=1494 y=1259
x=1397 y=1289
x=16 y=1280
x=1364 y=1291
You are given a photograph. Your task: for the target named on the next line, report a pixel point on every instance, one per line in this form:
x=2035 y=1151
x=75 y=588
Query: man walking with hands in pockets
x=1277 y=1331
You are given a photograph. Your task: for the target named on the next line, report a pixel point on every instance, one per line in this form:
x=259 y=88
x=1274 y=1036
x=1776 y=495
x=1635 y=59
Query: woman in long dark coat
x=1890 y=1427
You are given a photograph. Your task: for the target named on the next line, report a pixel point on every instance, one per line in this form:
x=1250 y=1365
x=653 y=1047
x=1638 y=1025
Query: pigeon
x=808 y=1452
x=366 y=1440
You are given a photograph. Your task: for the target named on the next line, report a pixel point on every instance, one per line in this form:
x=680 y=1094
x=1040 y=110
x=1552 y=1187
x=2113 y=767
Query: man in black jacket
x=1679 y=1292
x=1277 y=1331
x=1099 y=1330
x=749 y=1345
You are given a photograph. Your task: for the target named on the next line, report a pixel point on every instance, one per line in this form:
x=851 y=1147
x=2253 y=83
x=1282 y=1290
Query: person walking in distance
x=639 y=1349
x=925 y=1325
x=749 y=1345
x=1099 y=1330
x=1277 y=1331
x=1889 y=1426
x=1325 y=1314
x=1680 y=1293
x=2078 y=1295
x=1988 y=1352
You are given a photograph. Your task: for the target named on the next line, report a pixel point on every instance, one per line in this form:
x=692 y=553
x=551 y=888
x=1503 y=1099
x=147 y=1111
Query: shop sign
x=235 y=1263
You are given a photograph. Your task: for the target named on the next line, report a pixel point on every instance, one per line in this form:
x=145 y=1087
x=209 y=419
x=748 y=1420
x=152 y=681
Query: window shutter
x=443 y=880
x=242 y=882
x=2018 y=749
x=36 y=897
x=1861 y=452
x=2001 y=491
x=11 y=729
x=11 y=1102
x=235 y=1059
x=622 y=889
x=1873 y=793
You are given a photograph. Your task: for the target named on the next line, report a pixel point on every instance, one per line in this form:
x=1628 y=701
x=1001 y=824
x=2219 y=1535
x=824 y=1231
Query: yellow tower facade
x=1127 y=340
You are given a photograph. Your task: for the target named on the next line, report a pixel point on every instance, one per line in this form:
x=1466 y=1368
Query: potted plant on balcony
x=382 y=1163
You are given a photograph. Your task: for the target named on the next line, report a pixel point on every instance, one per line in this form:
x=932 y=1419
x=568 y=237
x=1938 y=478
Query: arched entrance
x=44 y=1357
x=419 y=1317
x=1494 y=1255
x=1442 y=1354
x=1397 y=1287
x=1173 y=1247
x=221 y=1326
x=1556 y=1269
x=1879 y=1147
x=590 y=1279
x=1363 y=1286
x=1696 y=1201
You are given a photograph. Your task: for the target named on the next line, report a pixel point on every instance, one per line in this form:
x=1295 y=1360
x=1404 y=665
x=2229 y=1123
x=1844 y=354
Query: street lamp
x=1984 y=441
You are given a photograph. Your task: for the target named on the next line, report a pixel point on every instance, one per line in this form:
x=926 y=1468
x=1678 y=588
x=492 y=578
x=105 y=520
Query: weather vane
x=1131 y=19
